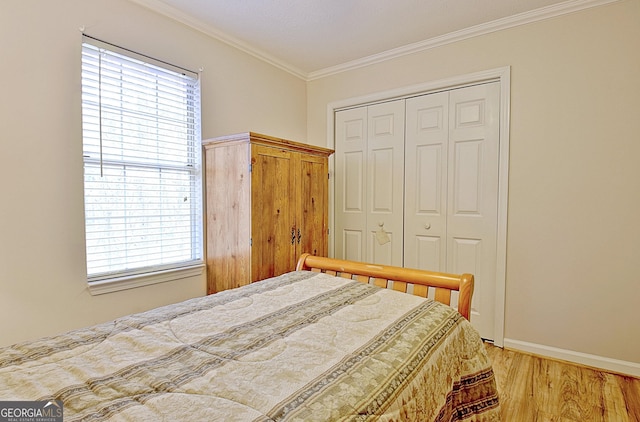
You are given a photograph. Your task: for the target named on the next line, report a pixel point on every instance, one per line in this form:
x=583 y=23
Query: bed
x=333 y=340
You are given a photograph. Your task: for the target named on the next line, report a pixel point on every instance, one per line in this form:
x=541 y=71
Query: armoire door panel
x=272 y=172
x=312 y=224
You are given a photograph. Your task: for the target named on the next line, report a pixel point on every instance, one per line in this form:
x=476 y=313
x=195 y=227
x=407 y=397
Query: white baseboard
x=607 y=364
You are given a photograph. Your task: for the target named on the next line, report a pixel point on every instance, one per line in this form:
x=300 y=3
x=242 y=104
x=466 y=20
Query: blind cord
x=100 y=53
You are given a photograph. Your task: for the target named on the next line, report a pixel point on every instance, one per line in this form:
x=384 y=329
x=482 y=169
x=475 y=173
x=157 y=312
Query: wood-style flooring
x=536 y=389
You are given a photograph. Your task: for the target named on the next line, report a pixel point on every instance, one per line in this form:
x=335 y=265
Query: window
x=142 y=165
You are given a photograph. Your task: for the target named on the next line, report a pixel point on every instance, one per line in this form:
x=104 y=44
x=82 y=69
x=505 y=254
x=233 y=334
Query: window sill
x=139 y=280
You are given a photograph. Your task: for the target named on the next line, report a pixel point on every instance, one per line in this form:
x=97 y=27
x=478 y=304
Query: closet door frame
x=501 y=75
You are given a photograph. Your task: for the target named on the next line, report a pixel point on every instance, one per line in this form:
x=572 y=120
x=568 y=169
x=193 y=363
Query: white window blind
x=142 y=164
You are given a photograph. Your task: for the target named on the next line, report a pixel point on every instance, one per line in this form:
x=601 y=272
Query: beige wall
x=43 y=287
x=573 y=253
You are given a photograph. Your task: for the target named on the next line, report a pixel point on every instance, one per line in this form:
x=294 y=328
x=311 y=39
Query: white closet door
x=385 y=178
x=472 y=198
x=428 y=184
x=451 y=185
x=351 y=184
x=369 y=170
x=427 y=137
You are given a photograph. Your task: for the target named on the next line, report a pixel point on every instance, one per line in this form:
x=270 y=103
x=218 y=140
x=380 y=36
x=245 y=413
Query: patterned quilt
x=299 y=347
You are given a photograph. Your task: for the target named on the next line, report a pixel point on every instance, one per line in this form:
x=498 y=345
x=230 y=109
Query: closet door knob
x=427 y=226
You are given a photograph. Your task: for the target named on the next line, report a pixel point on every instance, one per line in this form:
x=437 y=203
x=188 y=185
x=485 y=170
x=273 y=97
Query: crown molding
x=192 y=22
x=536 y=15
x=540 y=14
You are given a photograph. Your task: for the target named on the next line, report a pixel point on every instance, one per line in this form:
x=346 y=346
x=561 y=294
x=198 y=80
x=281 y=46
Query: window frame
x=111 y=281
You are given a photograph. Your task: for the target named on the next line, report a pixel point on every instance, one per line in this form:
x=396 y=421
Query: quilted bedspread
x=299 y=347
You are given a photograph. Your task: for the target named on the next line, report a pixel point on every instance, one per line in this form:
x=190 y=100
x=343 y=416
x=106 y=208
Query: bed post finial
x=466 y=293
x=301 y=266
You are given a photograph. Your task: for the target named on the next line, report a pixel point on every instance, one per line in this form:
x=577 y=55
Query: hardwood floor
x=544 y=390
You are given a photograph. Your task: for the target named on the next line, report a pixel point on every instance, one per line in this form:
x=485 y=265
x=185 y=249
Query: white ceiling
x=311 y=38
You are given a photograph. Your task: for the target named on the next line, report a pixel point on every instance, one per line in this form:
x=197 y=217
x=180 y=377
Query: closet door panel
x=352 y=242
x=428 y=182
x=381 y=253
x=427 y=133
x=351 y=183
x=465 y=257
x=468 y=162
x=353 y=186
x=382 y=186
x=385 y=192
x=428 y=251
x=473 y=194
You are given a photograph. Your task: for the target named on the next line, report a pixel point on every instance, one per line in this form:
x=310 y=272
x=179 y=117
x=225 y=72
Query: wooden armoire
x=266 y=204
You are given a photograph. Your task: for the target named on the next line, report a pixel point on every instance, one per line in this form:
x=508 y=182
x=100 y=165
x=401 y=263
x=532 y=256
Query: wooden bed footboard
x=380 y=275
